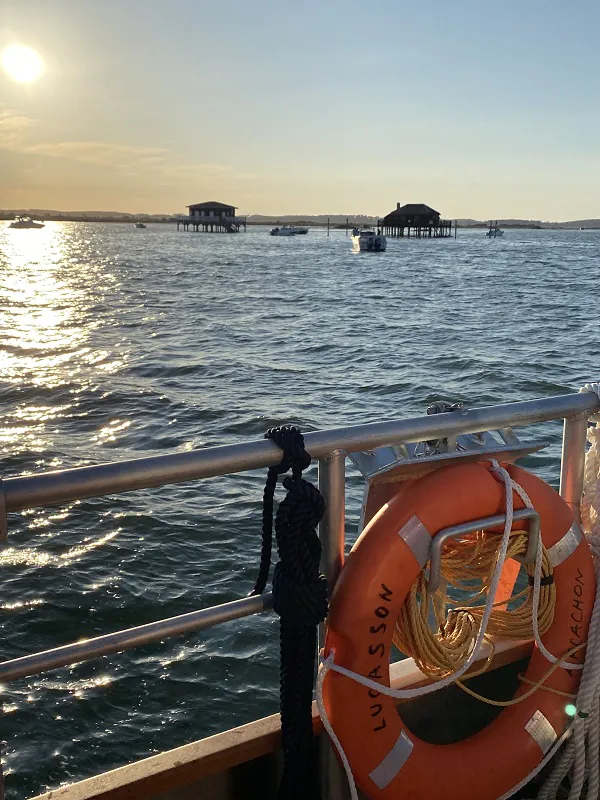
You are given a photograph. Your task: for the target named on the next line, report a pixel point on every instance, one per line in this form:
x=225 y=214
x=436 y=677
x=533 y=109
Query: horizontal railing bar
x=47 y=488
x=132 y=637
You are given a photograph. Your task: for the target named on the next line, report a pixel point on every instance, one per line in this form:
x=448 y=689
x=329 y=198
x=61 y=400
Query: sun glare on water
x=21 y=63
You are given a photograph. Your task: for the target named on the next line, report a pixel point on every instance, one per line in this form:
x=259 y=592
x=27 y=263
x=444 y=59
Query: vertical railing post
x=332 y=484
x=573 y=461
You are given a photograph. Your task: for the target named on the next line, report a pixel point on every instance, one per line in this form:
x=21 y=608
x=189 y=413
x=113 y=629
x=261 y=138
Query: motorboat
x=368 y=240
x=25 y=222
x=287 y=230
x=494 y=231
x=140 y=225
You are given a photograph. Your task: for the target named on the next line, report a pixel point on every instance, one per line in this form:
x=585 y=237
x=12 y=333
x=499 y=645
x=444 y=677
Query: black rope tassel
x=300 y=599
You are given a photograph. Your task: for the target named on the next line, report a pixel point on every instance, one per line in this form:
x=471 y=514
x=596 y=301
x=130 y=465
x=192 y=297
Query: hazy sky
x=478 y=109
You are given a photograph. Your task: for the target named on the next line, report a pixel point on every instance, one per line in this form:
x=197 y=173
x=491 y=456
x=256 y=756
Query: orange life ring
x=387 y=760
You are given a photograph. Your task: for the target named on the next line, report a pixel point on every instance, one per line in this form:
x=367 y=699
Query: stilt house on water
x=212 y=216
x=422 y=220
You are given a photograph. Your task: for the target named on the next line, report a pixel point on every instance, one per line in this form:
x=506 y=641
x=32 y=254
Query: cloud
x=151 y=163
x=13 y=128
x=102 y=153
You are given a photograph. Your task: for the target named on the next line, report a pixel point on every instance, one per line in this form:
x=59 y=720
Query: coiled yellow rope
x=468 y=566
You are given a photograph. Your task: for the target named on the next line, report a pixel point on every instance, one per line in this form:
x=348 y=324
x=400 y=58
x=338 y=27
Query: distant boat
x=25 y=222
x=369 y=241
x=494 y=230
x=139 y=225
x=288 y=230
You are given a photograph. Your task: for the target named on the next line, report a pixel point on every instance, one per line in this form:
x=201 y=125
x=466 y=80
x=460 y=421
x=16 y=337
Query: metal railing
x=48 y=488
x=330 y=447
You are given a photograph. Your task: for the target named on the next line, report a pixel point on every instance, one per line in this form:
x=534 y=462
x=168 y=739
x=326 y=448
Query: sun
x=21 y=63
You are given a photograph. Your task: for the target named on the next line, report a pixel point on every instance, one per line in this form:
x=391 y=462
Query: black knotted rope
x=300 y=600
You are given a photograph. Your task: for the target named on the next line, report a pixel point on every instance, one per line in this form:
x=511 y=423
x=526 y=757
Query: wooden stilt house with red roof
x=211 y=217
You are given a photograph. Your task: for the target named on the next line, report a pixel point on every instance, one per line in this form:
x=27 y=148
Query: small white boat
x=139 y=225
x=287 y=230
x=369 y=241
x=494 y=231
x=25 y=222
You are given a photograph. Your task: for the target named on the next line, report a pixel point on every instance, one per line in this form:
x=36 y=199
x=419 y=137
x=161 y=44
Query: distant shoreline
x=337 y=221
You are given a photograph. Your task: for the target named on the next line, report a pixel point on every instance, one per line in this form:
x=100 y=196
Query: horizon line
x=278 y=216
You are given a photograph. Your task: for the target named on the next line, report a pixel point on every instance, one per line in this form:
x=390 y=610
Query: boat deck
x=244 y=762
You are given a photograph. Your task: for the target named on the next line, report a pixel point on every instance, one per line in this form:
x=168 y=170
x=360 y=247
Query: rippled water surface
x=121 y=343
